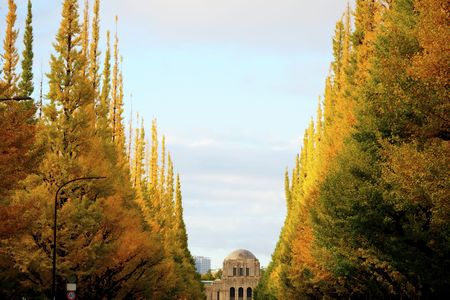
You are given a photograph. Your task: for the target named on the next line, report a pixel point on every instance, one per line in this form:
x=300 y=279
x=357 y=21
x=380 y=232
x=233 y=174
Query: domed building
x=240 y=276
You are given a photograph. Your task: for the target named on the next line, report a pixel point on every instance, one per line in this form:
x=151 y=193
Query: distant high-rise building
x=202 y=264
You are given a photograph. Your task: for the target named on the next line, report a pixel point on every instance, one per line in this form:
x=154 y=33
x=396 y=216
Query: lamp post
x=55 y=222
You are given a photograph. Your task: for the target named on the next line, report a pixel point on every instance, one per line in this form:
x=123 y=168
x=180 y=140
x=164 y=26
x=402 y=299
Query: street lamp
x=55 y=222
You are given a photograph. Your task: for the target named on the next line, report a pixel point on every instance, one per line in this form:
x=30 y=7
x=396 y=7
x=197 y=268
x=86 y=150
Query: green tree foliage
x=10 y=56
x=17 y=157
x=160 y=201
x=84 y=34
x=118 y=239
x=94 y=52
x=17 y=130
x=368 y=211
x=102 y=109
x=26 y=86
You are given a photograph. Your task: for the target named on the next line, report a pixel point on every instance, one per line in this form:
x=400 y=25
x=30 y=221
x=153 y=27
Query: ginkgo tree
x=368 y=196
x=120 y=237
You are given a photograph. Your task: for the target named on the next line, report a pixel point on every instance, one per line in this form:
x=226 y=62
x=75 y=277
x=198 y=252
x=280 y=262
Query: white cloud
x=278 y=24
x=232 y=181
x=232 y=141
x=232 y=191
x=202 y=143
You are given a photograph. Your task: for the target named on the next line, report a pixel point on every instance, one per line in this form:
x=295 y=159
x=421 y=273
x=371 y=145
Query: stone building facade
x=240 y=276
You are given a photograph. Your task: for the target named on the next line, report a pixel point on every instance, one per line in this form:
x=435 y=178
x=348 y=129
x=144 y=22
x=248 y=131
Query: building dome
x=240 y=254
x=240 y=276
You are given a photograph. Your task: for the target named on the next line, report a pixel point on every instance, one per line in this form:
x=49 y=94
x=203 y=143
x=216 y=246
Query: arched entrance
x=249 y=293
x=240 y=294
x=232 y=293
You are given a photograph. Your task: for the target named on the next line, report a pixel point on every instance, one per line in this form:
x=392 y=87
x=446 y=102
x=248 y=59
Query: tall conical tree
x=147 y=162
x=103 y=119
x=154 y=159
x=115 y=87
x=68 y=86
x=170 y=188
x=378 y=192
x=191 y=286
x=130 y=132
x=94 y=53
x=328 y=102
x=70 y=141
x=338 y=45
x=367 y=17
x=137 y=170
x=120 y=130
x=180 y=226
x=162 y=170
x=102 y=238
x=294 y=268
x=85 y=32
x=346 y=43
x=106 y=78
x=310 y=149
x=319 y=123
x=17 y=144
x=116 y=104
x=26 y=84
x=17 y=130
x=287 y=189
x=338 y=100
x=10 y=56
x=41 y=97
x=344 y=88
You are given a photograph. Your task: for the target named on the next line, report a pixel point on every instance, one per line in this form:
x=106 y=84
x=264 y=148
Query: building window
x=241 y=271
x=249 y=293
x=247 y=272
x=240 y=293
x=232 y=293
x=234 y=271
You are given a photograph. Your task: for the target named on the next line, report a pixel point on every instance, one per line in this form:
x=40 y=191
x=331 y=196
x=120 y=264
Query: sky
x=233 y=85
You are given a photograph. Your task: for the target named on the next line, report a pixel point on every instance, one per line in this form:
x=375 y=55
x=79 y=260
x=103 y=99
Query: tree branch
x=18 y=98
